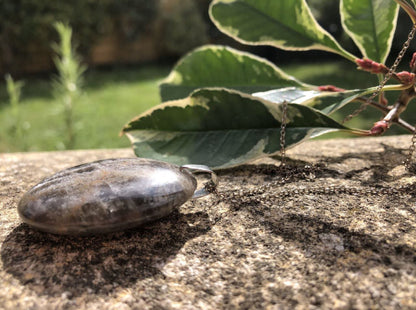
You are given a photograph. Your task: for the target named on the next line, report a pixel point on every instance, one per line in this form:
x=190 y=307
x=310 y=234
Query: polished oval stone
x=107 y=195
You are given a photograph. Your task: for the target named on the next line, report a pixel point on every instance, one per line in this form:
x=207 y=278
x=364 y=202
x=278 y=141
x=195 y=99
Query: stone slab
x=235 y=250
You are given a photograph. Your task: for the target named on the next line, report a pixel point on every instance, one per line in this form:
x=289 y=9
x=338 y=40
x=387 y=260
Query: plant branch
x=400 y=105
x=374 y=104
x=386 y=110
x=405 y=125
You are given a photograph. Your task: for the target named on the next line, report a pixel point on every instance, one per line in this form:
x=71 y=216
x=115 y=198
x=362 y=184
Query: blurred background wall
x=107 y=31
x=112 y=32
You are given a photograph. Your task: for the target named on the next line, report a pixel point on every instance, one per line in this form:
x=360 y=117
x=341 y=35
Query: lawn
x=110 y=99
x=113 y=97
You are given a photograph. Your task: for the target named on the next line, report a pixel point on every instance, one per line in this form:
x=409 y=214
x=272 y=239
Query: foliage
x=68 y=82
x=14 y=89
x=214 y=84
x=23 y=20
x=210 y=66
x=245 y=127
x=132 y=16
x=97 y=119
x=184 y=27
x=373 y=39
x=24 y=23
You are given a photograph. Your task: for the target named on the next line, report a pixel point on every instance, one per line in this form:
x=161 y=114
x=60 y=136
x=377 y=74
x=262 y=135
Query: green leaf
x=220 y=66
x=326 y=102
x=287 y=24
x=371 y=24
x=221 y=128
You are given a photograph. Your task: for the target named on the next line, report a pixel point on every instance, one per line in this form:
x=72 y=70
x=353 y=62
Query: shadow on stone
x=327 y=238
x=309 y=231
x=54 y=265
x=379 y=163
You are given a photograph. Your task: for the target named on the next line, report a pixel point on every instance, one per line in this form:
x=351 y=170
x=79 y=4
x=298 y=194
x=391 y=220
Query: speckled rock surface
x=106 y=196
x=315 y=251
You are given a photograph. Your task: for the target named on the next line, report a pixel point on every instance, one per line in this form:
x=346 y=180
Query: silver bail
x=209 y=186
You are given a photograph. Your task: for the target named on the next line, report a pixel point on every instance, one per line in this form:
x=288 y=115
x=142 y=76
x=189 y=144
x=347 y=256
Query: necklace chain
x=388 y=76
x=408 y=161
x=287 y=173
x=277 y=190
x=283 y=134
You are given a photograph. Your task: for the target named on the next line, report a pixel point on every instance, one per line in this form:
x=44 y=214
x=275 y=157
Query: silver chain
x=411 y=150
x=288 y=173
x=388 y=76
x=275 y=190
x=283 y=134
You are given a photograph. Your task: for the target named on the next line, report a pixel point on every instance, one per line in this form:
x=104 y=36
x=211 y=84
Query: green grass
x=109 y=101
x=112 y=98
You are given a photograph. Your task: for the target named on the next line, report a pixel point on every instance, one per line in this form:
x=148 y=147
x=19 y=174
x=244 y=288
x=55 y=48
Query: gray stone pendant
x=110 y=195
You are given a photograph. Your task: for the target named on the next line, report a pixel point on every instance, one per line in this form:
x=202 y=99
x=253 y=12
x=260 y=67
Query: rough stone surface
x=314 y=251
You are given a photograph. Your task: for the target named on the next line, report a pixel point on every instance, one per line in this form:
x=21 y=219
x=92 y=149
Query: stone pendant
x=109 y=195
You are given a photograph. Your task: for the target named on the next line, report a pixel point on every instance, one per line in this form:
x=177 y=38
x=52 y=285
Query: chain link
x=278 y=192
x=283 y=134
x=287 y=173
x=388 y=76
x=408 y=161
